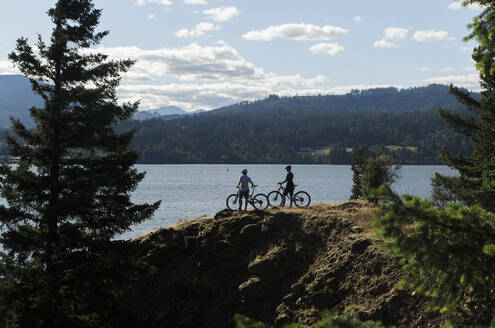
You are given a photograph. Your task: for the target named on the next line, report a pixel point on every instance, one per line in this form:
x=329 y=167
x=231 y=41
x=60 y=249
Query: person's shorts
x=288 y=190
x=244 y=194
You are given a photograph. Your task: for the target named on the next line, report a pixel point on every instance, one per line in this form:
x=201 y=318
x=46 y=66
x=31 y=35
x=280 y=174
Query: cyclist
x=289 y=187
x=244 y=182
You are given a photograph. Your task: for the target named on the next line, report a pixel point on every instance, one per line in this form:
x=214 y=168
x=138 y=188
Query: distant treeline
x=317 y=129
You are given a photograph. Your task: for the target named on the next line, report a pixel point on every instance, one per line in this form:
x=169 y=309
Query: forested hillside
x=317 y=129
x=16 y=98
x=371 y=100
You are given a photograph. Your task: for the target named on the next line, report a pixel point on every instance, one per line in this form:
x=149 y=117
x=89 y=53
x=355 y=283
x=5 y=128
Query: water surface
x=190 y=191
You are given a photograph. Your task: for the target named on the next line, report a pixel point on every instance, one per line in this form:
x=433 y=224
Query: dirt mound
x=276 y=266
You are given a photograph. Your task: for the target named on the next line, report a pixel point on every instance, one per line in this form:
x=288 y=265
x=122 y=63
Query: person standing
x=244 y=182
x=289 y=187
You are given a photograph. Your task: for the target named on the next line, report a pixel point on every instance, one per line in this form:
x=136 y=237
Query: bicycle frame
x=281 y=191
x=250 y=197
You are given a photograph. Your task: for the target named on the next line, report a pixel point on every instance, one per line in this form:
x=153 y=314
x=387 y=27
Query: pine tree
x=359 y=156
x=370 y=172
x=448 y=245
x=69 y=197
x=476 y=182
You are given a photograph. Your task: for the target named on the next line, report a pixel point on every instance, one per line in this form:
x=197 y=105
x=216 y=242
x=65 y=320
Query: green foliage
x=446 y=252
x=359 y=156
x=245 y=322
x=69 y=196
x=370 y=173
x=448 y=244
x=476 y=182
x=328 y=320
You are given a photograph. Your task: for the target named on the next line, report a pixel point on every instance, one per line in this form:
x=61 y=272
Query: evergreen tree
x=377 y=171
x=449 y=250
x=69 y=197
x=476 y=182
x=370 y=173
x=359 y=156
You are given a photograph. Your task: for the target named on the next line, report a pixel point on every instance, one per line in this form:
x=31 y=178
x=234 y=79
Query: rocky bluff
x=276 y=266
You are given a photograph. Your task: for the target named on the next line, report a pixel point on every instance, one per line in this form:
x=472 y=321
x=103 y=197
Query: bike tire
x=302 y=199
x=260 y=201
x=233 y=202
x=275 y=198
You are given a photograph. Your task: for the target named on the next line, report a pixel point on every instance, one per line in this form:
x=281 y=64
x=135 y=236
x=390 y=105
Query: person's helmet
x=244 y=171
x=288 y=167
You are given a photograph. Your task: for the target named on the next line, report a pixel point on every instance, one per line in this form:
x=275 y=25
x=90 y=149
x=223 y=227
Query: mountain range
x=16 y=98
x=300 y=129
x=168 y=112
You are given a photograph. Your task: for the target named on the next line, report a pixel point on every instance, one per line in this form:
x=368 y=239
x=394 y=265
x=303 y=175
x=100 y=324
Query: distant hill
x=312 y=129
x=168 y=112
x=357 y=101
x=301 y=129
x=16 y=98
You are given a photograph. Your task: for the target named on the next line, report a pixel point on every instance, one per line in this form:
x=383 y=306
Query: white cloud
x=196 y=2
x=470 y=81
x=430 y=36
x=192 y=62
x=391 y=33
x=357 y=18
x=202 y=77
x=447 y=69
x=162 y=2
x=200 y=30
x=6 y=68
x=208 y=96
x=151 y=16
x=457 y=5
x=300 y=32
x=330 y=49
x=222 y=14
x=395 y=33
x=435 y=69
x=207 y=77
x=384 y=44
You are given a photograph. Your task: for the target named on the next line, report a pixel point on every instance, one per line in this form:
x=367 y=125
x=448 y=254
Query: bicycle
x=300 y=198
x=258 y=201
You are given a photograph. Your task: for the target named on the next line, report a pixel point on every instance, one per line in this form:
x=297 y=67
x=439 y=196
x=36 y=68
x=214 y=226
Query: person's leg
x=291 y=193
x=240 y=200
x=284 y=195
x=246 y=201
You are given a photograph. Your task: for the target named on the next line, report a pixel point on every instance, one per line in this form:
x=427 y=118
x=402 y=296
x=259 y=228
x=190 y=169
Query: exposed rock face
x=276 y=266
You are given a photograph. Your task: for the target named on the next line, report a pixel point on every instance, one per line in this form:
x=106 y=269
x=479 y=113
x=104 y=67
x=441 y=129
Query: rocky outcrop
x=276 y=266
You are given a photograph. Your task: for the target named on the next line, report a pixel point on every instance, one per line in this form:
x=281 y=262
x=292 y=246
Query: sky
x=204 y=54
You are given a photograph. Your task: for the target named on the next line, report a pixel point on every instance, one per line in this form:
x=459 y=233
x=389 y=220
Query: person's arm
x=284 y=180
x=239 y=183
x=252 y=184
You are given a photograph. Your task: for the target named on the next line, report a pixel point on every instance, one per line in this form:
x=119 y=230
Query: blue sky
x=209 y=53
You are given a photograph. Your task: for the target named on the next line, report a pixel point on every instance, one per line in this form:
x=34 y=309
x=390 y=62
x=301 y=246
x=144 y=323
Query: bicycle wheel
x=302 y=199
x=275 y=198
x=233 y=202
x=260 y=201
